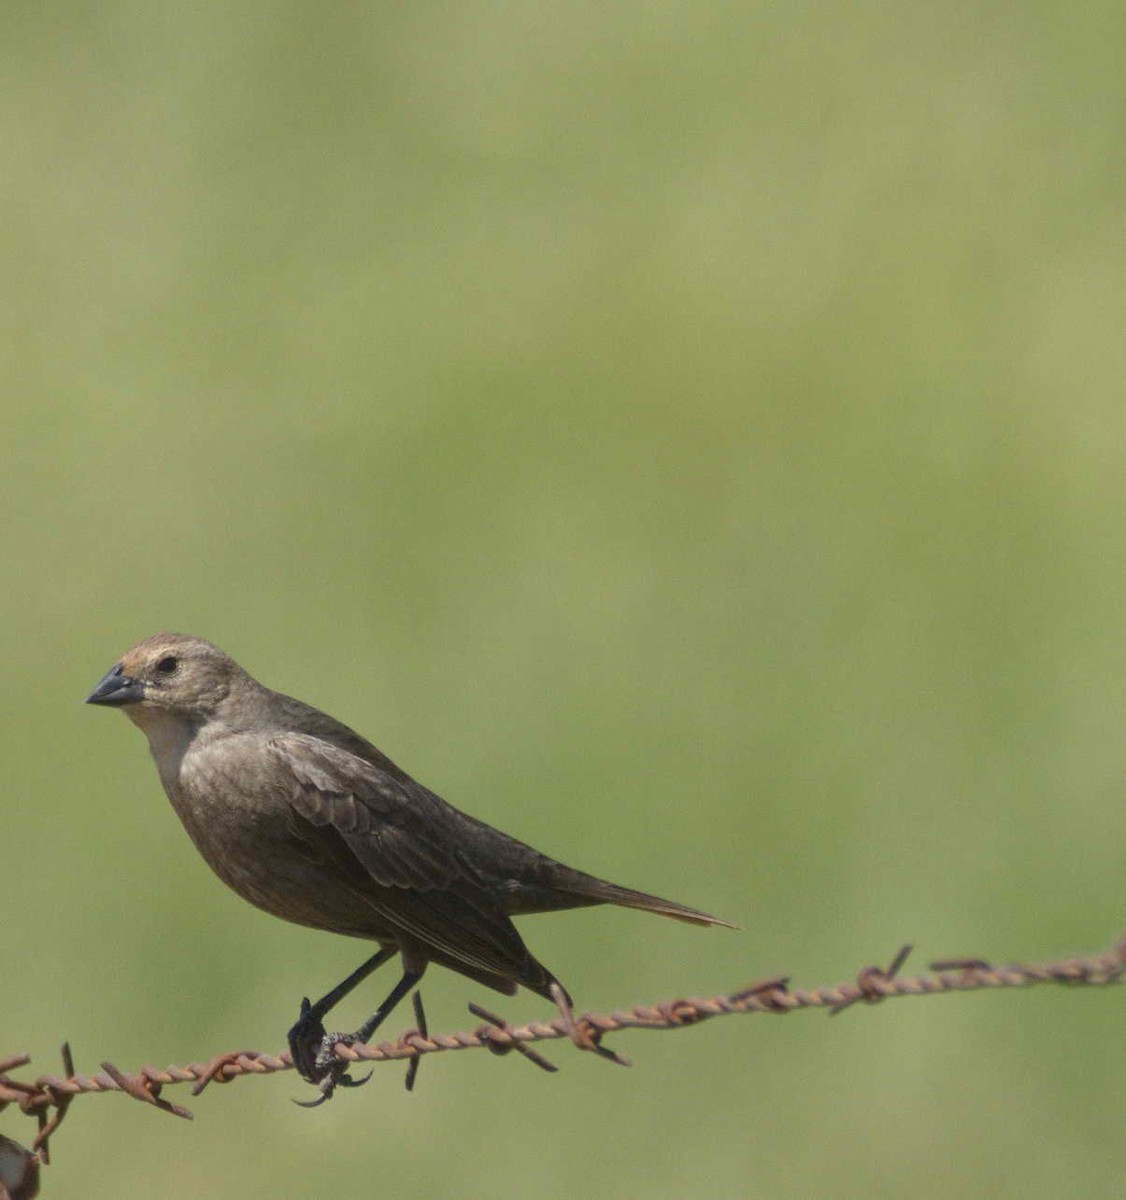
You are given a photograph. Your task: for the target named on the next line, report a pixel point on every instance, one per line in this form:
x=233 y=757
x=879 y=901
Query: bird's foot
x=314 y=1057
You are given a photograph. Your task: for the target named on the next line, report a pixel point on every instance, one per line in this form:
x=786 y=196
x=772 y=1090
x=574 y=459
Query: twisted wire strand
x=48 y=1097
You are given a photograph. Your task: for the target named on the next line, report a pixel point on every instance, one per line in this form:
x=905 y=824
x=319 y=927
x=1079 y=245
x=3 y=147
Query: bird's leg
x=411 y=976
x=307 y=1038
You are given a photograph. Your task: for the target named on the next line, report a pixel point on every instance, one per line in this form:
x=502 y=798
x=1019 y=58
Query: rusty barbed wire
x=48 y=1098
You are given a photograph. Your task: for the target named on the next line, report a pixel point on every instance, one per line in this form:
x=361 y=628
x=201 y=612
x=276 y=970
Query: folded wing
x=397 y=845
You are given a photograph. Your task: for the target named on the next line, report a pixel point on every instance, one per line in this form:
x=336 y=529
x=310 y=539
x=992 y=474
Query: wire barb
x=144 y=1088
x=215 y=1071
x=873 y=984
x=413 y=1035
x=585 y=1032
x=61 y=1102
x=500 y=1038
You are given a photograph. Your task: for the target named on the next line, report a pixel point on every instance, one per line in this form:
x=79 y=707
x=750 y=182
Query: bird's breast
x=237 y=808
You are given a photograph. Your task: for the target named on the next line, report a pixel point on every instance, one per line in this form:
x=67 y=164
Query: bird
x=310 y=822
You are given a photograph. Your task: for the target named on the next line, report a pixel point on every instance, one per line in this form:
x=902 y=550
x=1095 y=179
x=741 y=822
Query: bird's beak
x=115 y=688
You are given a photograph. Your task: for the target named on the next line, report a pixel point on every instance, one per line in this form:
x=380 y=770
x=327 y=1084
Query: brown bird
x=305 y=819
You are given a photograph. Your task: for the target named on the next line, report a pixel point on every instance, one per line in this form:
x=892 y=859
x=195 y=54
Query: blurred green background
x=690 y=436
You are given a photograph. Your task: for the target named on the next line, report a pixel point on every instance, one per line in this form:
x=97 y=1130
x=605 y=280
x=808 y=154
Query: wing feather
x=404 y=840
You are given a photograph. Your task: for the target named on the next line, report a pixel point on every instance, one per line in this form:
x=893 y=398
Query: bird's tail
x=612 y=893
x=588 y=889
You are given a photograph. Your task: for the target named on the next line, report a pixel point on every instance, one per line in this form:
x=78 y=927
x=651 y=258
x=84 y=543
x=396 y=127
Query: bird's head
x=168 y=675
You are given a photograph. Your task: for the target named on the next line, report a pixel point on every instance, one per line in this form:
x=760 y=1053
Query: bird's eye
x=168 y=664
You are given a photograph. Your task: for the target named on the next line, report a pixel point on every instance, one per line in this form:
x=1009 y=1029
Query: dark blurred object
x=19 y=1171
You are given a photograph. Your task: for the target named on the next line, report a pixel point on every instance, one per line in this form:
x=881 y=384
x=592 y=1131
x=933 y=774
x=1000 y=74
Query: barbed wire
x=48 y=1097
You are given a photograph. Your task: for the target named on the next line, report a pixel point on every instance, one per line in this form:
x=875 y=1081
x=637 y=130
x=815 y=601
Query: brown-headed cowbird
x=305 y=819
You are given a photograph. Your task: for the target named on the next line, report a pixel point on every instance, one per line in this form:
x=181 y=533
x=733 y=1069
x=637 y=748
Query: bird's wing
x=403 y=839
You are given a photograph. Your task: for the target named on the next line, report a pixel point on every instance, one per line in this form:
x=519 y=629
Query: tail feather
x=558 y=887
x=612 y=893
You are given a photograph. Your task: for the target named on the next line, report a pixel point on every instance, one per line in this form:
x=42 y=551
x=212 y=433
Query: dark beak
x=115 y=689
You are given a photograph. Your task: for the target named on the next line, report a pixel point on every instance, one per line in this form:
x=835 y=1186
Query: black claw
x=326 y=1086
x=348 y=1081
x=330 y=1078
